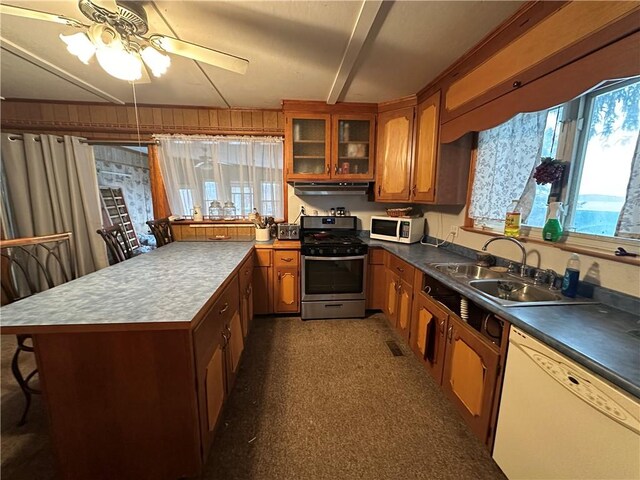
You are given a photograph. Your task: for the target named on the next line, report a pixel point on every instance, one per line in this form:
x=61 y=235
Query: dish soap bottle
x=552 y=230
x=571 y=276
x=512 y=220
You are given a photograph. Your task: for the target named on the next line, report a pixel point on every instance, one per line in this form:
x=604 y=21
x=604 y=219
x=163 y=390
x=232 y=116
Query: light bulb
x=158 y=62
x=119 y=63
x=79 y=45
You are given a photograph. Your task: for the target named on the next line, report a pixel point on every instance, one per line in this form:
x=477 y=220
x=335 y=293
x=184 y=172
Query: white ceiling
x=295 y=49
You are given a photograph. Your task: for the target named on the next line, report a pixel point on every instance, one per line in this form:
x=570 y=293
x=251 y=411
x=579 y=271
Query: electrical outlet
x=454 y=230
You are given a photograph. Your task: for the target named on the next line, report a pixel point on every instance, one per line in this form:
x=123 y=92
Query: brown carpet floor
x=327 y=400
x=313 y=400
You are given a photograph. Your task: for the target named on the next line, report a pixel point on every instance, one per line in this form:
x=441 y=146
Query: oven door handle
x=357 y=257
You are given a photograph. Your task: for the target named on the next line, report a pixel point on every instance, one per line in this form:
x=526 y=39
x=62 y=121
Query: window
x=186 y=200
x=269 y=198
x=242 y=197
x=595 y=137
x=210 y=192
x=199 y=169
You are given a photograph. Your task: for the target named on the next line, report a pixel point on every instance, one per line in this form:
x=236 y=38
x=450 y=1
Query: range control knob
x=335 y=250
x=319 y=251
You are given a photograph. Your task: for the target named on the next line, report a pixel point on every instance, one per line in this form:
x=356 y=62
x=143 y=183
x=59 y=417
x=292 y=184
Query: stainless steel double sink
x=505 y=289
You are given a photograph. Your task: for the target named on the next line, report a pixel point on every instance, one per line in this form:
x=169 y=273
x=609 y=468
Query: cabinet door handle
x=279 y=276
x=427 y=289
x=450 y=333
x=246 y=272
x=379 y=190
x=336 y=169
x=328 y=169
x=249 y=290
x=401 y=270
x=413 y=190
x=442 y=327
x=226 y=340
x=224 y=309
x=286 y=259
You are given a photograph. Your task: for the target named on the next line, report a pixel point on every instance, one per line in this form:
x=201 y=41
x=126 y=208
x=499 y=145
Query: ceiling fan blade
x=199 y=53
x=38 y=15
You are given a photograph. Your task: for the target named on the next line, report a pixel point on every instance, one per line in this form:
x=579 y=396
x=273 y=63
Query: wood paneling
x=545 y=39
x=98 y=121
x=618 y=60
x=159 y=198
x=121 y=404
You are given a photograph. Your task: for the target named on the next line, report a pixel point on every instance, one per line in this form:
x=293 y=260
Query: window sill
x=568 y=247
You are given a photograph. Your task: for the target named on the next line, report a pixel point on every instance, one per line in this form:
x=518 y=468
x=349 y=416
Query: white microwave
x=397 y=229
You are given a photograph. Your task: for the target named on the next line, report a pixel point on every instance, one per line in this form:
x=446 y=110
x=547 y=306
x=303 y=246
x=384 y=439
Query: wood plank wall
x=102 y=121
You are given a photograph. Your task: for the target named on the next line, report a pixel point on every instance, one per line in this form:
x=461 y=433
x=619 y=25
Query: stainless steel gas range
x=334 y=268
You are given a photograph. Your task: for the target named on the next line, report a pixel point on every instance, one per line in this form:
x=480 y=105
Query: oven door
x=334 y=278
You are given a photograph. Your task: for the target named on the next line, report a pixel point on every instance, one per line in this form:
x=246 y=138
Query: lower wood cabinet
x=246 y=294
x=262 y=282
x=286 y=281
x=470 y=375
x=398 y=294
x=215 y=356
x=427 y=338
x=376 y=279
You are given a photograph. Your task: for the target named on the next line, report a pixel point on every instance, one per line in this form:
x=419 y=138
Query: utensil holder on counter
x=263 y=234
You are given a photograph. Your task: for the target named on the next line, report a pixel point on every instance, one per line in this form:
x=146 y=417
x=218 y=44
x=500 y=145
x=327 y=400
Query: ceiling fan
x=118 y=40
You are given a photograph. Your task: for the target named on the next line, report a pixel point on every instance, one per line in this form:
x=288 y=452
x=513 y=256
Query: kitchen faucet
x=523 y=265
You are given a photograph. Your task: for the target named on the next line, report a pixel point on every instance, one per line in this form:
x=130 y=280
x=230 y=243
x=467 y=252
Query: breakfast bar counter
x=169 y=286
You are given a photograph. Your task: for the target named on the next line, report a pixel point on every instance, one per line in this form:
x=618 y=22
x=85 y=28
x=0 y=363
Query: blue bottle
x=571 y=276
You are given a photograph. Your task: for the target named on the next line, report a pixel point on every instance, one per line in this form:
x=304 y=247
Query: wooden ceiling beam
x=361 y=30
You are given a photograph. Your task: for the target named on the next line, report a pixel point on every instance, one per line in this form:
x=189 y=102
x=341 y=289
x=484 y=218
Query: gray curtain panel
x=50 y=186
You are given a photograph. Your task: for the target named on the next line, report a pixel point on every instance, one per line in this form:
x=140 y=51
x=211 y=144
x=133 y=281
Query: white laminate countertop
x=169 y=284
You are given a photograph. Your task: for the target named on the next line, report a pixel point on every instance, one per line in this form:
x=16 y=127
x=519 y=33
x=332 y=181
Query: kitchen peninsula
x=130 y=356
x=125 y=355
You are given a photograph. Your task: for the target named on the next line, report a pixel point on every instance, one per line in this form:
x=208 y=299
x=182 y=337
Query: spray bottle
x=552 y=230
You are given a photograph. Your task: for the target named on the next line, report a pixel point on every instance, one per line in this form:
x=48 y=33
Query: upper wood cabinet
x=513 y=65
x=307 y=146
x=352 y=147
x=329 y=142
x=430 y=172
x=427 y=124
x=533 y=62
x=393 y=164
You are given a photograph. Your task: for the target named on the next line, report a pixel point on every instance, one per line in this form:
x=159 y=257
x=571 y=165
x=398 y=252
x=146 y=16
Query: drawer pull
x=225 y=308
x=286 y=259
x=401 y=270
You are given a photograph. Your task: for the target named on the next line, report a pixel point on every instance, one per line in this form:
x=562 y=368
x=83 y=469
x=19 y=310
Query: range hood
x=331 y=188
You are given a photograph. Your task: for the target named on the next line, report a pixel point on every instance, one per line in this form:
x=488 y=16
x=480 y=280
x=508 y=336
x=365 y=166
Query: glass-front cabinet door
x=353 y=148
x=308 y=148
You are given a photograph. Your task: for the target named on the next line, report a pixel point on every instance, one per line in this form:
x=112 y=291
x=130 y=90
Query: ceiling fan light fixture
x=79 y=45
x=157 y=61
x=120 y=63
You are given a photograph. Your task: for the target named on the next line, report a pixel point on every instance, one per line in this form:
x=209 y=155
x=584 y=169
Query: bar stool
x=161 y=229
x=118 y=246
x=29 y=266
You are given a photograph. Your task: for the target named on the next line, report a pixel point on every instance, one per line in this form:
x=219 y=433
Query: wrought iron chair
x=161 y=229
x=118 y=245
x=29 y=266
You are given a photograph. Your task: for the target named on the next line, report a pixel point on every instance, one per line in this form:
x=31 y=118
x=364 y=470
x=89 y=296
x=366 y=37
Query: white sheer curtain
x=200 y=169
x=629 y=219
x=506 y=157
x=50 y=186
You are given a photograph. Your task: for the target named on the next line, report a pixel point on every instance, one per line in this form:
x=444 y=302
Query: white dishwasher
x=558 y=421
